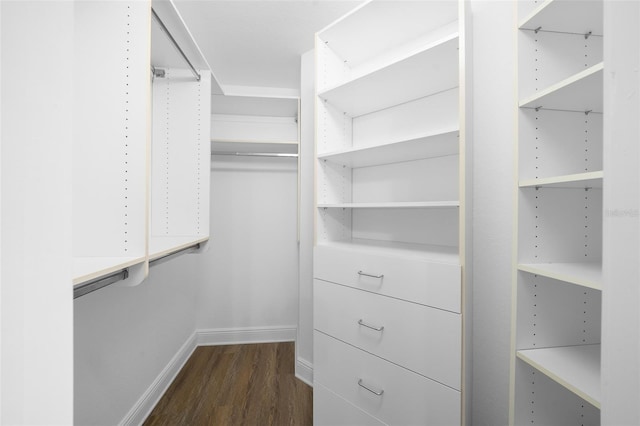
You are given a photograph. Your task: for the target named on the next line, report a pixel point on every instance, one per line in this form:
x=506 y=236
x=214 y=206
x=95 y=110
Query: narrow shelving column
x=111 y=137
x=181 y=104
x=558 y=270
x=391 y=215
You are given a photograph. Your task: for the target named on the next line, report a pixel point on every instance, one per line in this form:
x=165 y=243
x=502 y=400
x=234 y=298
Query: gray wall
x=125 y=336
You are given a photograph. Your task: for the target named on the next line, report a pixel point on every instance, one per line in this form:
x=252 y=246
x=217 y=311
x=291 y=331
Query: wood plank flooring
x=236 y=385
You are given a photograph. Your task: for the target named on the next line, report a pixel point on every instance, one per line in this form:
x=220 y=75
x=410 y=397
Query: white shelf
x=577 y=368
x=164 y=246
x=579 y=180
x=578 y=17
x=254 y=141
x=427 y=146
x=428 y=71
x=434 y=253
x=580 y=92
x=393 y=205
x=586 y=274
x=89 y=268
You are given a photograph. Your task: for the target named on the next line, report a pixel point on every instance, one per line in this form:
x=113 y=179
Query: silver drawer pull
x=364 y=324
x=370 y=275
x=373 y=391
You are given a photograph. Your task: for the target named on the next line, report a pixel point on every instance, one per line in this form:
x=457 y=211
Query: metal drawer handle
x=364 y=324
x=373 y=391
x=370 y=275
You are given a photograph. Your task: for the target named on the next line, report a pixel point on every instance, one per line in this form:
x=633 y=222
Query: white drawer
x=331 y=410
x=420 y=281
x=407 y=398
x=420 y=338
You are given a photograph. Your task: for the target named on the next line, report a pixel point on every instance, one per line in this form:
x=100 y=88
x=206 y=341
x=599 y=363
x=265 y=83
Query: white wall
x=36 y=312
x=126 y=336
x=494 y=109
x=250 y=272
x=304 y=343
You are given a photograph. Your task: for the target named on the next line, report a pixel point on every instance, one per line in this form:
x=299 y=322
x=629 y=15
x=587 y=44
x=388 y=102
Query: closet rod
x=173 y=254
x=99 y=283
x=257 y=154
x=175 y=43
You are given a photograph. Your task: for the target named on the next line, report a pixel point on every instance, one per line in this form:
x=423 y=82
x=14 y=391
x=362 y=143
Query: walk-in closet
x=320 y=212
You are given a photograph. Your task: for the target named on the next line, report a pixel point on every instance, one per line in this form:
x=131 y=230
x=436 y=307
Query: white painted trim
x=304 y=371
x=143 y=407
x=241 y=335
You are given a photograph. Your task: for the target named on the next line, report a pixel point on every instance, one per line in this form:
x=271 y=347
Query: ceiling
x=258 y=43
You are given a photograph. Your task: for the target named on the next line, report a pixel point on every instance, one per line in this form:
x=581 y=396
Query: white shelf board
x=430 y=70
x=579 y=180
x=428 y=146
x=375 y=27
x=580 y=92
x=165 y=55
x=434 y=253
x=89 y=268
x=393 y=205
x=578 y=17
x=164 y=246
x=577 y=368
x=586 y=274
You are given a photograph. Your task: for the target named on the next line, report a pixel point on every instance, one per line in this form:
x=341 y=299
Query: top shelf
x=580 y=92
x=569 y=16
x=432 y=69
x=380 y=26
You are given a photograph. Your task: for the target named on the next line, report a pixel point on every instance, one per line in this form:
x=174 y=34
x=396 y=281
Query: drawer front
x=420 y=281
x=420 y=338
x=331 y=410
x=406 y=397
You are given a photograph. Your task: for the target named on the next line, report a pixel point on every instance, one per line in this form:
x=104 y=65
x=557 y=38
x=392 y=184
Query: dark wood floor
x=236 y=385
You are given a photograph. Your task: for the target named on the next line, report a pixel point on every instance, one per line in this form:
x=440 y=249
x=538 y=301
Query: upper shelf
x=427 y=146
x=430 y=70
x=165 y=246
x=165 y=55
x=394 y=205
x=579 y=180
x=380 y=26
x=580 y=92
x=570 y=16
x=577 y=368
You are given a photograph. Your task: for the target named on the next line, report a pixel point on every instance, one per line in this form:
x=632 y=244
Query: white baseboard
x=148 y=400
x=304 y=371
x=233 y=336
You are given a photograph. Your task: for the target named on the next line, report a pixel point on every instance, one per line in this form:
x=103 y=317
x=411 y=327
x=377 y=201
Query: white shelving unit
x=558 y=268
x=140 y=189
x=110 y=140
x=391 y=145
x=179 y=195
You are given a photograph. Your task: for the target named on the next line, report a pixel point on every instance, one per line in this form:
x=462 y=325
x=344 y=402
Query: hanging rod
x=173 y=254
x=257 y=154
x=99 y=283
x=175 y=43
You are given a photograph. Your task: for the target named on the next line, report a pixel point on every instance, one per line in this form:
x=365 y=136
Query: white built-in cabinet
x=391 y=253
x=558 y=264
x=141 y=142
